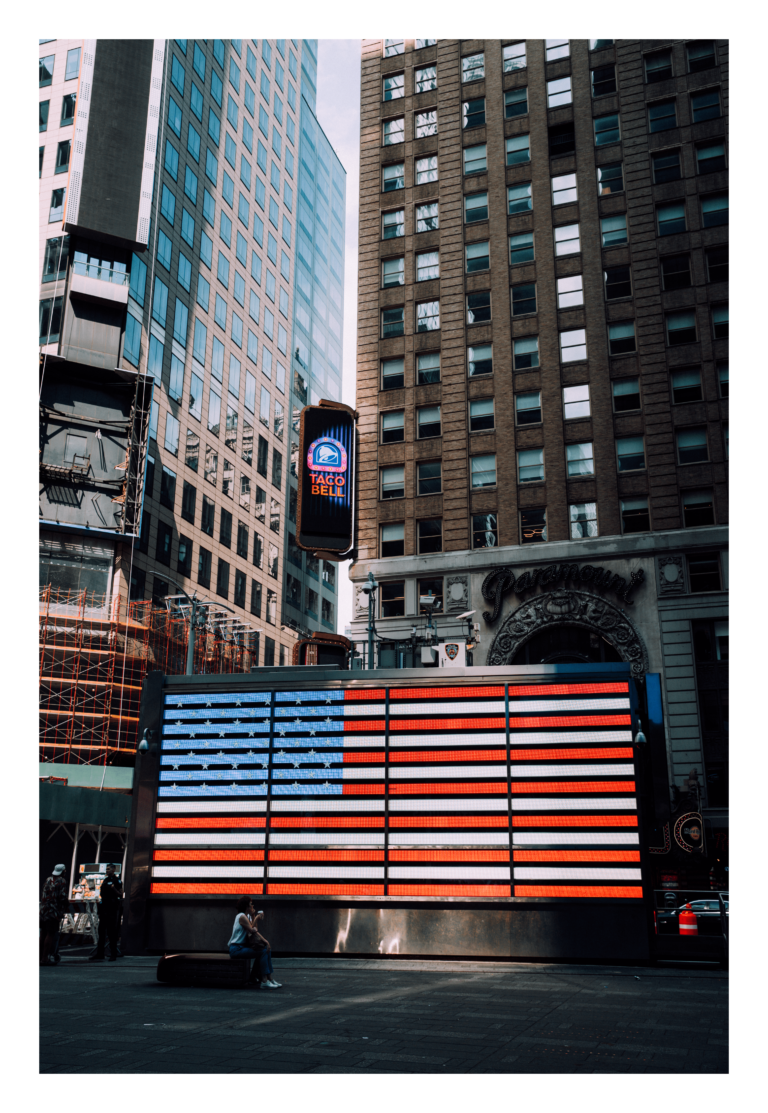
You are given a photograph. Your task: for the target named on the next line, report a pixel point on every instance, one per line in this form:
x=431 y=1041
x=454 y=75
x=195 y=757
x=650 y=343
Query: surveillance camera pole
x=370 y=588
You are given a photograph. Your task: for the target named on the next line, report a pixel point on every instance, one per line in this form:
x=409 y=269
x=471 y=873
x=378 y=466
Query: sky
x=338 y=111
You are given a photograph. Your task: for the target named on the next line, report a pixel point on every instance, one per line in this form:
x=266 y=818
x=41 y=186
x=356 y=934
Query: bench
x=214 y=969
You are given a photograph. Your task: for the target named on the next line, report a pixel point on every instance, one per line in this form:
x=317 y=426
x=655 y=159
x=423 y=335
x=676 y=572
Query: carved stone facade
x=570 y=608
x=456 y=593
x=671 y=575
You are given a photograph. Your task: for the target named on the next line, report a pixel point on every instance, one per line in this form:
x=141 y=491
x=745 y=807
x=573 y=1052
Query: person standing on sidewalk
x=109 y=915
x=52 y=907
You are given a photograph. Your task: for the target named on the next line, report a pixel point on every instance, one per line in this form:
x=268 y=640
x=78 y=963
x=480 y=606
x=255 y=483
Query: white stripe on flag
x=464 y=838
x=320 y=838
x=208 y=838
x=568 y=706
x=343 y=872
x=546 y=873
x=237 y=807
x=573 y=803
x=452 y=772
x=491 y=707
x=337 y=804
x=612 y=770
x=447 y=804
x=443 y=741
x=551 y=738
x=450 y=873
x=363 y=772
x=208 y=871
x=574 y=838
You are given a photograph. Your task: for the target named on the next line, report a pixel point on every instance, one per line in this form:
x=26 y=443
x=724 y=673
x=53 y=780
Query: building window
x=56 y=212
x=426 y=217
x=473 y=113
x=607 y=130
x=394 y=131
x=513 y=57
x=564 y=189
x=662 y=115
x=429 y=478
x=610 y=179
x=686 y=385
x=570 y=292
x=426 y=170
x=393 y=46
x=671 y=218
x=635 y=516
x=392 y=374
x=557 y=48
x=475 y=159
x=428 y=422
x=698 y=508
x=617 y=282
x=676 y=272
x=73 y=64
x=62 y=157
x=576 y=402
x=519 y=200
x=428 y=368
x=714 y=210
x=516 y=102
x=206 y=521
x=392 y=177
x=681 y=327
x=392 y=599
x=430 y=535
x=393 y=86
x=692 y=447
x=392 y=322
x=50 y=320
x=533 y=525
x=430 y=588
x=666 y=167
x=621 y=338
x=427 y=266
x=483 y=471
x=603 y=80
x=559 y=92
x=521 y=247
x=526 y=352
x=480 y=359
x=478 y=307
x=393 y=225
x=421 y=43
x=481 y=415
x=485 y=531
x=392 y=427
x=427 y=316
x=473 y=67
x=393 y=539
x=701 y=56
x=523 y=299
x=164 y=542
x=630 y=453
x=710 y=157
x=705 y=106
x=530 y=465
x=67 y=110
x=393 y=482
x=567 y=241
x=475 y=207
x=704 y=572
x=392 y=273
x=717 y=264
x=722 y=376
x=720 y=322
x=184 y=561
x=626 y=395
x=583 y=520
x=222 y=579
x=225 y=528
x=573 y=345
x=580 y=459
x=658 y=66
x=477 y=256
x=528 y=408
x=562 y=139
x=613 y=230
x=518 y=149
x=45 y=70
x=425 y=79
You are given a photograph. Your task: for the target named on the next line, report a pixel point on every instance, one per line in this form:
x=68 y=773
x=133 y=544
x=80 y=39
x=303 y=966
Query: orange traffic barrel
x=688 y=923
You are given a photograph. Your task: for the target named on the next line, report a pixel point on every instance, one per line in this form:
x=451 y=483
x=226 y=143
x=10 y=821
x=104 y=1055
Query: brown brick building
x=543 y=359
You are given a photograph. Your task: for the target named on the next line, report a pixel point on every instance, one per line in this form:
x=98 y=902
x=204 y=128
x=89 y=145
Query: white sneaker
x=274 y=983
x=269 y=985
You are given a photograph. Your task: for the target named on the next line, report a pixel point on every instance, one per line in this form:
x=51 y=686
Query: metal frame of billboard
x=328 y=552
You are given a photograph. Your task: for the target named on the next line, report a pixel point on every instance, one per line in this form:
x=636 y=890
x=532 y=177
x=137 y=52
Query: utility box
x=453 y=655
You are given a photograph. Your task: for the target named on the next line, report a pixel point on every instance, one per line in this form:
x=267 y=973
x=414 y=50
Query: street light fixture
x=369 y=589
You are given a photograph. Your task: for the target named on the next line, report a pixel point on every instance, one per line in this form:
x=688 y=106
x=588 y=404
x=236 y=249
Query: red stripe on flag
x=362 y=790
x=447 y=755
x=573 y=786
x=326 y=855
x=364 y=693
x=275 y=889
x=579 y=721
x=448 y=855
x=547 y=821
x=447 y=724
x=446 y=693
x=449 y=890
x=210 y=821
x=448 y=822
x=576 y=855
x=209 y=856
x=579 y=891
x=352 y=758
x=363 y=724
x=572 y=755
x=219 y=888
x=319 y=821
x=567 y=689
x=472 y=788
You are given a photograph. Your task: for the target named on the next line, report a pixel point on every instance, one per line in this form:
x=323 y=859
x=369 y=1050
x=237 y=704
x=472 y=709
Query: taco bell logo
x=327 y=455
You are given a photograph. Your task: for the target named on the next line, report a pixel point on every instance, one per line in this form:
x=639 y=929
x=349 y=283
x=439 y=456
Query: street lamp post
x=369 y=587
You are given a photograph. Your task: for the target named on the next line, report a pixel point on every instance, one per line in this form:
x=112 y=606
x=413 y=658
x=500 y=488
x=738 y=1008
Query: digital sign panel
x=478 y=791
x=326 y=479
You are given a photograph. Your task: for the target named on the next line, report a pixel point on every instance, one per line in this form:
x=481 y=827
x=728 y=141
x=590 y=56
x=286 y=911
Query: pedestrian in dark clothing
x=52 y=907
x=247 y=941
x=109 y=915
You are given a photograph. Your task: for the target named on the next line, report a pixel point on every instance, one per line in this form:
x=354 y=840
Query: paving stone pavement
x=341 y=1016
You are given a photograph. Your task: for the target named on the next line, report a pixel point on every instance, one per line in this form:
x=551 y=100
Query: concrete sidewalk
x=384 y=1016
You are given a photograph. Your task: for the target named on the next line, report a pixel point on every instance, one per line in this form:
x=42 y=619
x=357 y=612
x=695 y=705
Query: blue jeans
x=263 y=955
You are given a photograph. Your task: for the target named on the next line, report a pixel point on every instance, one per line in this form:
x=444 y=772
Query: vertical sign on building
x=326 y=478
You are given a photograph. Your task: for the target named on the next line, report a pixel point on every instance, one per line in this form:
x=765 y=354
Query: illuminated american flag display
x=508 y=790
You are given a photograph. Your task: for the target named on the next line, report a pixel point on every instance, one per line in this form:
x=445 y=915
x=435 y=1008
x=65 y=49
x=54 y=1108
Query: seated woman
x=247 y=942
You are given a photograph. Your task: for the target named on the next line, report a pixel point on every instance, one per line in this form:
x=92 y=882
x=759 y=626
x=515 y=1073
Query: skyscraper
x=543 y=363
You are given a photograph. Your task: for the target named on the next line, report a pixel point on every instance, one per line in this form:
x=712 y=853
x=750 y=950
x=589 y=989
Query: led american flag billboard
x=492 y=791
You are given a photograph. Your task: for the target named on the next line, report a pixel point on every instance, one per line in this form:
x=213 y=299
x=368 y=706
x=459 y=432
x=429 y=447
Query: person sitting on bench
x=247 y=942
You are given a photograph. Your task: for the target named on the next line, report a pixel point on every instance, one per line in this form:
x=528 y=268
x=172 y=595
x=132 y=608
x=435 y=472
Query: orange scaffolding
x=94 y=654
